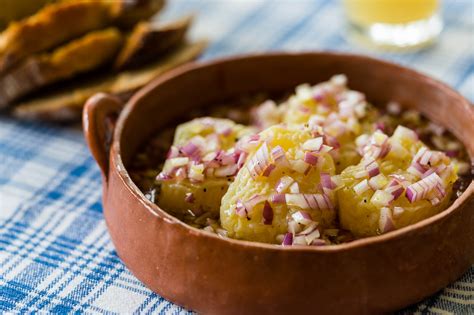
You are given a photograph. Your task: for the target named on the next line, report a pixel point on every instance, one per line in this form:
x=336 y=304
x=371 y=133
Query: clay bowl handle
x=98 y=120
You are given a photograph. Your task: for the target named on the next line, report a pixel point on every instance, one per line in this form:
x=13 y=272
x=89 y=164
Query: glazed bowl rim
x=116 y=161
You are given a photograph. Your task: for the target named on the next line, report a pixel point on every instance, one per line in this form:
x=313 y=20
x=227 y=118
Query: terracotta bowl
x=208 y=274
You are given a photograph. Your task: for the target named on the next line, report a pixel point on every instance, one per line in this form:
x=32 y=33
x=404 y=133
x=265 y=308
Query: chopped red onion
x=248 y=143
x=396 y=190
x=259 y=162
x=294 y=227
x=209 y=157
x=178 y=162
x=421 y=188
x=195 y=172
x=300 y=166
x=283 y=183
x=163 y=176
x=310 y=158
x=313 y=144
x=310 y=227
x=404 y=132
x=304 y=110
x=267 y=213
x=311 y=237
x=278 y=198
x=378 y=182
x=440 y=191
x=361 y=187
x=240 y=209
x=319 y=95
x=331 y=141
x=372 y=168
x=172 y=153
x=296 y=200
x=224 y=171
x=326 y=148
x=224 y=158
x=268 y=170
x=190 y=149
x=428 y=173
x=381 y=198
x=416 y=169
x=380 y=126
x=302 y=217
x=309 y=201
x=398 y=179
x=377 y=146
x=337 y=180
x=419 y=153
x=241 y=160
x=386 y=223
x=252 y=202
x=254 y=137
x=295 y=188
x=327 y=182
x=361 y=174
x=425 y=157
x=277 y=152
x=189 y=197
x=287 y=240
x=180 y=173
x=227 y=131
x=279 y=157
x=385 y=149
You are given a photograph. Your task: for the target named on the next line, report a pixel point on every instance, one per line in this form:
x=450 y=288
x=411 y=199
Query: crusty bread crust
x=78 y=56
x=60 y=22
x=149 y=40
x=53 y=25
x=66 y=104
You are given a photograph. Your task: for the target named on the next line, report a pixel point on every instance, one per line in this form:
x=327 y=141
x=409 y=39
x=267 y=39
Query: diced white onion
x=179 y=161
x=421 y=188
x=283 y=184
x=302 y=217
x=386 y=223
x=294 y=188
x=313 y=144
x=381 y=198
x=361 y=187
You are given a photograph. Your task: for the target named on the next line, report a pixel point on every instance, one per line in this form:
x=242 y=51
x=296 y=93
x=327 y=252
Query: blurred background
x=238 y=26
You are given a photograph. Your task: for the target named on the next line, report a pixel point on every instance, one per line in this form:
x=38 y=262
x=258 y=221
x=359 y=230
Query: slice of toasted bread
x=60 y=22
x=13 y=10
x=133 y=11
x=52 y=26
x=81 y=55
x=149 y=40
x=66 y=104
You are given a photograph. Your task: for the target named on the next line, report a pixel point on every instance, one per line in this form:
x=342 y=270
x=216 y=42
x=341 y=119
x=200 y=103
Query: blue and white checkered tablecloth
x=55 y=253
